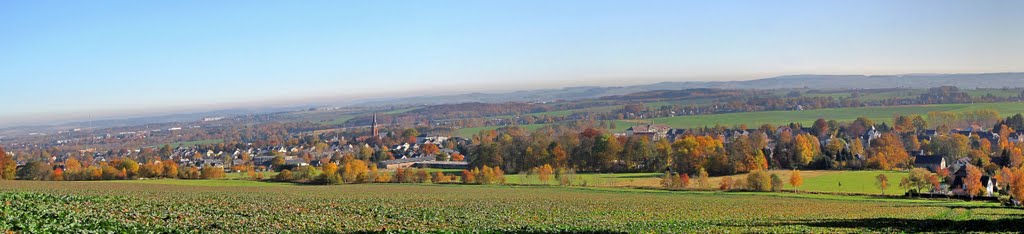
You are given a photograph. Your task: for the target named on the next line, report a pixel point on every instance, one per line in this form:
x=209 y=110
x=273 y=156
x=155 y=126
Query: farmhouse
x=653 y=131
x=403 y=162
x=442 y=164
x=931 y=162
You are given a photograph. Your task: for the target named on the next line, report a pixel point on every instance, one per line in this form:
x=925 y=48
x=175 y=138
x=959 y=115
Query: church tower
x=376 y=130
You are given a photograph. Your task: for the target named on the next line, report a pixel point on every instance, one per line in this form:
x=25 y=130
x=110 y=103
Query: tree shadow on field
x=920 y=225
x=484 y=231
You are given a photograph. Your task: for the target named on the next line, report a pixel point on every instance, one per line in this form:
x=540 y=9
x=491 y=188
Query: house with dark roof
x=987 y=182
x=931 y=162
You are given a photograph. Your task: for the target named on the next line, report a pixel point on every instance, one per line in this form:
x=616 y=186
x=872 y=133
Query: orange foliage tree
x=795 y=180
x=972 y=183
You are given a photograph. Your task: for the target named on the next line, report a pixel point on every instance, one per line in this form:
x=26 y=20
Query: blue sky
x=69 y=59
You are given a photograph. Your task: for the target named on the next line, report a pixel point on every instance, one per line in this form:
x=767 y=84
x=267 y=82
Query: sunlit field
x=233 y=206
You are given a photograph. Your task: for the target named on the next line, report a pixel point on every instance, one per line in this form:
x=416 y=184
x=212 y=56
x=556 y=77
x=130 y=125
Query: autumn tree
x=8 y=168
x=430 y=149
x=725 y=184
x=903 y=124
x=284 y=175
x=73 y=169
x=692 y=152
x=355 y=171
x=544 y=173
x=860 y=126
x=57 y=174
x=806 y=147
x=212 y=172
x=795 y=180
x=606 y=149
x=330 y=174
x=759 y=181
x=170 y=169
x=916 y=180
x=1016 y=184
x=972 y=183
x=888 y=152
x=882 y=182
x=820 y=128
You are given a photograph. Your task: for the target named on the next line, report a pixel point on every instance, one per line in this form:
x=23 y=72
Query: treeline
x=121 y=169
x=355 y=171
x=860 y=144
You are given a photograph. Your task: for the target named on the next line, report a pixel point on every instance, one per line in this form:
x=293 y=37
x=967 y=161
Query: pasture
x=35 y=206
x=807 y=117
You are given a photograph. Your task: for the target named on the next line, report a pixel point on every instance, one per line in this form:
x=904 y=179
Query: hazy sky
x=69 y=59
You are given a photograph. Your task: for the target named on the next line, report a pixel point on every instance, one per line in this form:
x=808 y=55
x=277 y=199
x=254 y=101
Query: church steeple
x=373 y=125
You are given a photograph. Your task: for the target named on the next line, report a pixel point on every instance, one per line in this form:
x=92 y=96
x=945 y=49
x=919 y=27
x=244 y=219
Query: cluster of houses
x=958 y=173
x=406 y=155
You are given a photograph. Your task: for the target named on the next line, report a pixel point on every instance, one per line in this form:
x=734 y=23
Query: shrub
x=777 y=182
x=759 y=181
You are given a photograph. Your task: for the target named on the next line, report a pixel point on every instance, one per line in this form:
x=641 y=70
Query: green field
x=132 y=207
x=468 y=132
x=807 y=117
x=854 y=182
x=339 y=120
x=192 y=143
x=878 y=114
x=591 y=179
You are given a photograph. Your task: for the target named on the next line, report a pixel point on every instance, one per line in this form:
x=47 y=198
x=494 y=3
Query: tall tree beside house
x=882 y=182
x=919 y=123
x=903 y=124
x=860 y=126
x=807 y=147
x=888 y=152
x=1016 y=184
x=820 y=128
x=795 y=180
x=972 y=183
x=936 y=183
x=607 y=149
x=911 y=142
x=8 y=168
x=951 y=146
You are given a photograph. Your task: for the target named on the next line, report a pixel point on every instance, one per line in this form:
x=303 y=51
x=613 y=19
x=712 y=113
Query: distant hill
x=964 y=81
